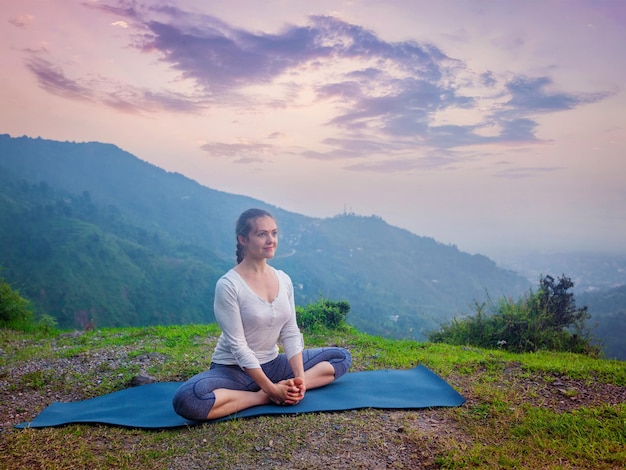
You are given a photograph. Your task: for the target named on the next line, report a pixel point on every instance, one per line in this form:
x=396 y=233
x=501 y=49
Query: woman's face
x=262 y=241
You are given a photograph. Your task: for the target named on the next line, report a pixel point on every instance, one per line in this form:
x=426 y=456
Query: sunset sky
x=498 y=126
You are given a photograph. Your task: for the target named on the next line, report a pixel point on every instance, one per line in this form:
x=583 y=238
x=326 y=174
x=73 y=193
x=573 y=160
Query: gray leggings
x=194 y=399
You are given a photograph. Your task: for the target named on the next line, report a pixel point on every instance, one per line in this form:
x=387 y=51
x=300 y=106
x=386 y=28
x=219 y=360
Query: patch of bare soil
x=391 y=439
x=362 y=439
x=27 y=387
x=556 y=392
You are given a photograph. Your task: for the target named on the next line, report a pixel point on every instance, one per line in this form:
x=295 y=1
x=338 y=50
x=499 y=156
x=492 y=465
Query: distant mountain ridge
x=91 y=233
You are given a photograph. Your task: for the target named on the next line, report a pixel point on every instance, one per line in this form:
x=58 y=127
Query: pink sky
x=494 y=125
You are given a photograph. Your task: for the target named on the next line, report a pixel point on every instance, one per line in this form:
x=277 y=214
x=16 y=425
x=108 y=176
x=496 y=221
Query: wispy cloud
x=433 y=161
x=241 y=152
x=528 y=172
x=123 y=97
x=21 y=21
x=52 y=79
x=349 y=148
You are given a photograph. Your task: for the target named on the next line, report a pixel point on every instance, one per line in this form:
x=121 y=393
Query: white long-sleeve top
x=251 y=326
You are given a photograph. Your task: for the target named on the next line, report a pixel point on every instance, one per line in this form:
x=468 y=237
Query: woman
x=254 y=306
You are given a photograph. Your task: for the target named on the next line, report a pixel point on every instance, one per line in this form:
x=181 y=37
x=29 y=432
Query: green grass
x=513 y=418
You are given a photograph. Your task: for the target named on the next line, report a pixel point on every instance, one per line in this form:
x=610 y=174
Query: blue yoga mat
x=150 y=406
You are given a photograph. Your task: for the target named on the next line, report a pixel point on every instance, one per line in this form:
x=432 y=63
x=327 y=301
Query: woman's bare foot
x=264 y=398
x=298 y=382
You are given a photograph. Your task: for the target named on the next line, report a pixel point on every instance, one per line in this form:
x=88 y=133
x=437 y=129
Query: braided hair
x=244 y=226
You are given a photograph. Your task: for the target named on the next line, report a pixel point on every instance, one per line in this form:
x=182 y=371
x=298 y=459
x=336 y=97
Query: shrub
x=15 y=311
x=322 y=314
x=546 y=319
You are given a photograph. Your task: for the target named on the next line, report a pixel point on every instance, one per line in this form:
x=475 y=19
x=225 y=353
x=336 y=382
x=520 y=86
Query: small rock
x=141 y=379
x=150 y=356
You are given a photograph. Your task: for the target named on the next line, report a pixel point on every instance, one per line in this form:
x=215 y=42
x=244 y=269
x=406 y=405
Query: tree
x=558 y=304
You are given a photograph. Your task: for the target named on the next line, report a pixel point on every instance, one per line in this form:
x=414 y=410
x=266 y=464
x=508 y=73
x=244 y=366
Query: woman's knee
x=188 y=405
x=339 y=358
x=342 y=362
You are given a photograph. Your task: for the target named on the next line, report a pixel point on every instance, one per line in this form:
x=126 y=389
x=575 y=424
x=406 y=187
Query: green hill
x=93 y=235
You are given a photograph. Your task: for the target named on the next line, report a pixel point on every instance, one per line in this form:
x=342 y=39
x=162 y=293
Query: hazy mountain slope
x=132 y=227
x=147 y=195
x=54 y=251
x=608 y=311
x=396 y=276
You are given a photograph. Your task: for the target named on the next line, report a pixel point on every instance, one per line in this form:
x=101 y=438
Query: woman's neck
x=252 y=266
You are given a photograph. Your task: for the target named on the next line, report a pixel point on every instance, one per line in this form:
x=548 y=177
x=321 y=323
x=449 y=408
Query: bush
x=15 y=311
x=546 y=319
x=322 y=314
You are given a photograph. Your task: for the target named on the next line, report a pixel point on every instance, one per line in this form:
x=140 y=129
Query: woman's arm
x=290 y=335
x=228 y=316
x=297 y=367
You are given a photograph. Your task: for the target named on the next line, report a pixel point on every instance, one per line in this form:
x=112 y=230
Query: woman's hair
x=244 y=226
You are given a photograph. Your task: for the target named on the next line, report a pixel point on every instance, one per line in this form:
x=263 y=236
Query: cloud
x=405 y=109
x=220 y=57
x=241 y=152
x=139 y=101
x=488 y=79
x=384 y=166
x=519 y=130
x=518 y=173
x=349 y=148
x=122 y=97
x=53 y=80
x=380 y=98
x=433 y=161
x=21 y=21
x=530 y=94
